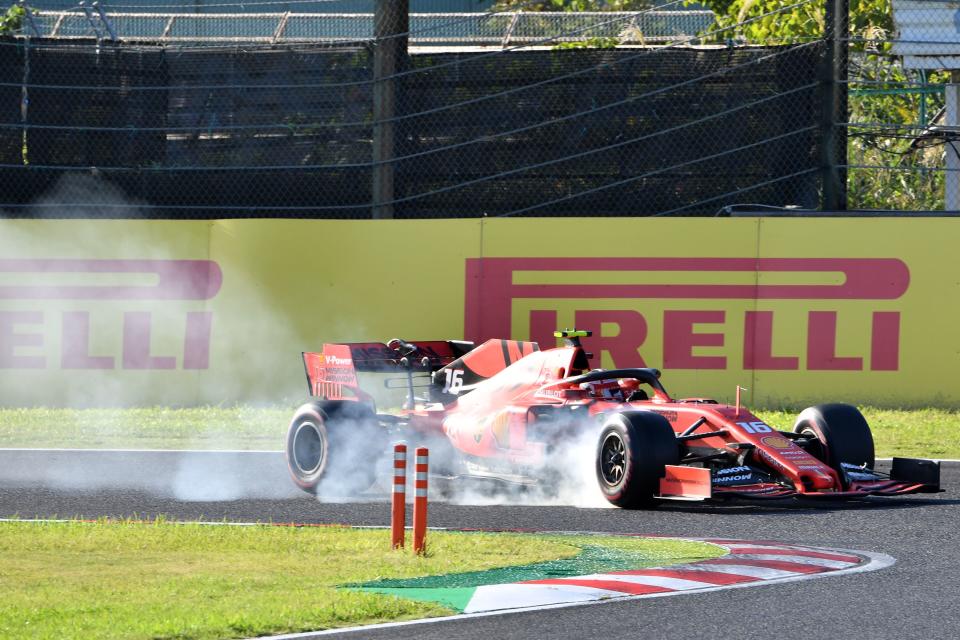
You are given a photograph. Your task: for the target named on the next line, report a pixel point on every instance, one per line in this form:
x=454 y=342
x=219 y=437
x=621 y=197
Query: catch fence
x=494 y=114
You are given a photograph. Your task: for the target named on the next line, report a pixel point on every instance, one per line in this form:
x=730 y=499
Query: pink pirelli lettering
x=758 y=344
x=13 y=336
x=624 y=342
x=680 y=337
x=75 y=344
x=99 y=280
x=686 y=337
x=885 y=341
x=136 y=344
x=171 y=279
x=490 y=286
x=822 y=345
x=196 y=343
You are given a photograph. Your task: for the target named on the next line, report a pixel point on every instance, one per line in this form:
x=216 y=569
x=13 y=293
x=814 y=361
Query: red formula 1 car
x=501 y=409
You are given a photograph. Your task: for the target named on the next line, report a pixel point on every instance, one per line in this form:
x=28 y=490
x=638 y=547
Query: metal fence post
x=951 y=200
x=833 y=114
x=391 y=26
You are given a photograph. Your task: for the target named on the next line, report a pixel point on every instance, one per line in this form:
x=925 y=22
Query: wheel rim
x=613 y=462
x=307 y=448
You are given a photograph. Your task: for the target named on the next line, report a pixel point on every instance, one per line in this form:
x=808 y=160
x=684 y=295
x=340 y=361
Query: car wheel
x=333 y=449
x=633 y=450
x=839 y=434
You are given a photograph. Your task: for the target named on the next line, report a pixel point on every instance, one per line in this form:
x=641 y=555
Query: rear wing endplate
x=332 y=373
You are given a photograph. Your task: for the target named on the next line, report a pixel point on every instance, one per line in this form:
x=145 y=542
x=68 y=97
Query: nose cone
x=819 y=481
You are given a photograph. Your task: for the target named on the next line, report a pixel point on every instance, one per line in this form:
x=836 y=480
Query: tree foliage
x=892 y=166
x=12 y=20
x=781 y=21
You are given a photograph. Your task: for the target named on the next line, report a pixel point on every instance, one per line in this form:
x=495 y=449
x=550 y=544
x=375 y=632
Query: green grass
x=188 y=581
x=931 y=433
x=903 y=432
x=241 y=427
x=925 y=433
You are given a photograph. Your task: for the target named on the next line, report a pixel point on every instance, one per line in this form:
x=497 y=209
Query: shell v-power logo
x=106 y=314
x=699 y=313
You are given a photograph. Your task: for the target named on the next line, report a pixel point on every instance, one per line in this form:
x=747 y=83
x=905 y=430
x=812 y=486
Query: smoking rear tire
x=634 y=448
x=307 y=447
x=332 y=448
x=840 y=434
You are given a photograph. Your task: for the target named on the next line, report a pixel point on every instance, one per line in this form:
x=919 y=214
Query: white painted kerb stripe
x=786 y=557
x=768 y=547
x=677 y=584
x=507 y=596
x=763 y=573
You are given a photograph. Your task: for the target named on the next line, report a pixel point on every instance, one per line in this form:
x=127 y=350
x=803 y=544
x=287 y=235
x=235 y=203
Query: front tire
x=634 y=448
x=333 y=448
x=840 y=434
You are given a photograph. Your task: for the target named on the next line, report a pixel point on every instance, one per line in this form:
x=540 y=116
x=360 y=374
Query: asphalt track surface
x=917 y=597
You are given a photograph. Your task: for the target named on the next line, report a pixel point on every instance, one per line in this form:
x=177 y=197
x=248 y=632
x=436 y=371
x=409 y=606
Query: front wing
x=855 y=490
x=907 y=475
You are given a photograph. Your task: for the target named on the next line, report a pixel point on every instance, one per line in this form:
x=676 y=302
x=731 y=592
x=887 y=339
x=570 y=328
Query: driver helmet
x=628 y=386
x=606 y=389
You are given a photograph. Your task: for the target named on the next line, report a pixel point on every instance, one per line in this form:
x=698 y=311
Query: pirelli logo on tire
x=699 y=313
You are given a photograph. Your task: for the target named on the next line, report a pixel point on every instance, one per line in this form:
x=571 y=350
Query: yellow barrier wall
x=188 y=312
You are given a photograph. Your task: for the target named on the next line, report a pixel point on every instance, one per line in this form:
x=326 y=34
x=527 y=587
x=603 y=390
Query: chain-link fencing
x=900 y=133
x=664 y=111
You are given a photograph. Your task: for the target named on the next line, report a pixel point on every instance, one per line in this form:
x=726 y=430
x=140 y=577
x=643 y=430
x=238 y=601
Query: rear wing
x=332 y=373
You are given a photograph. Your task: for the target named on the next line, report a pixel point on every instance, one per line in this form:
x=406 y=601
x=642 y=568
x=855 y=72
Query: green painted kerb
x=456 y=589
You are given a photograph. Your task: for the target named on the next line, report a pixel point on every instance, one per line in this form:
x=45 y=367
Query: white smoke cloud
x=92 y=195
x=257 y=327
x=567 y=477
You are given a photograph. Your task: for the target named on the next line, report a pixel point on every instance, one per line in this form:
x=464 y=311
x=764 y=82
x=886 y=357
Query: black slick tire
x=633 y=450
x=333 y=448
x=840 y=434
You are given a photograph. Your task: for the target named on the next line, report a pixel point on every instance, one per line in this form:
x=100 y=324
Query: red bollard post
x=420 y=502
x=398 y=511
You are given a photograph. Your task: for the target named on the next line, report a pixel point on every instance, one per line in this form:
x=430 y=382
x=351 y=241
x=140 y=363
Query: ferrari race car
x=499 y=410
